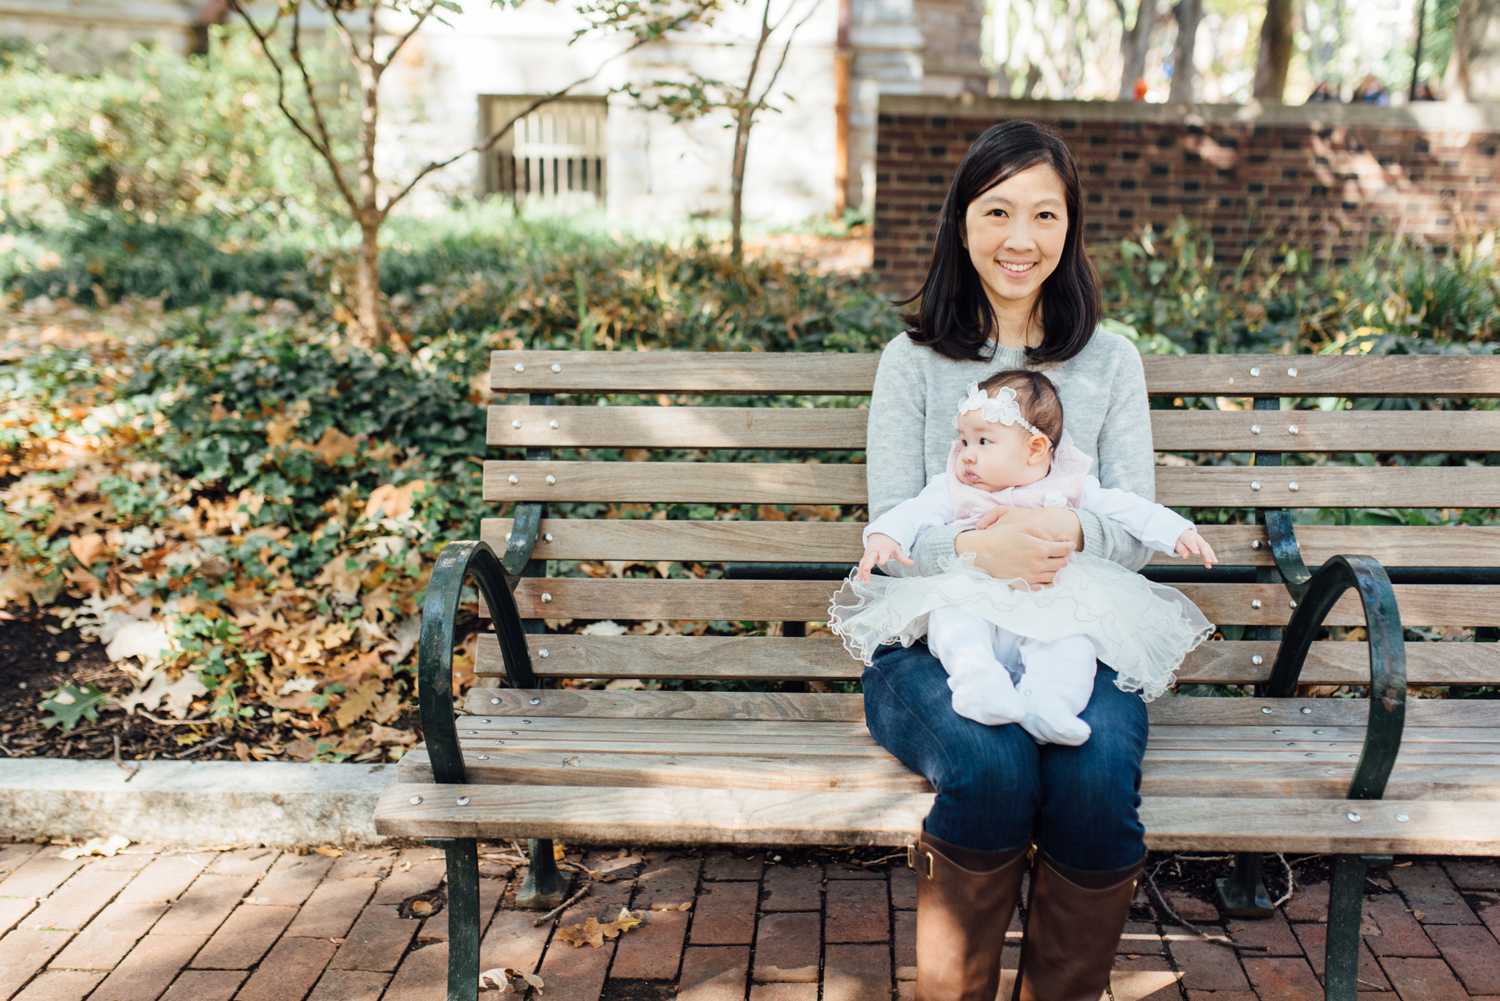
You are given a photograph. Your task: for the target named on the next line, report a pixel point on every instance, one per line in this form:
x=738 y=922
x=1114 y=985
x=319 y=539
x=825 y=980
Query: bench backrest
x=652 y=468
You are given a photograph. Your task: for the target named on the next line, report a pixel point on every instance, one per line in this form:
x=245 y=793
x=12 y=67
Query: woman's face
x=1015 y=233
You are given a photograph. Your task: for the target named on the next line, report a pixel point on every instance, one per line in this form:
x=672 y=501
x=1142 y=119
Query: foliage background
x=238 y=507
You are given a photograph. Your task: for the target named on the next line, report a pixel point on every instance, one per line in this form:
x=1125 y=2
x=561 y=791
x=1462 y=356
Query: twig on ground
x=880 y=861
x=562 y=906
x=198 y=748
x=1161 y=902
x=121 y=763
x=1291 y=883
x=173 y=722
x=505 y=857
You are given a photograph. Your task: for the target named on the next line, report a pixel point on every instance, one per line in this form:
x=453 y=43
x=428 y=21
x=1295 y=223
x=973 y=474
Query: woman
x=1010 y=286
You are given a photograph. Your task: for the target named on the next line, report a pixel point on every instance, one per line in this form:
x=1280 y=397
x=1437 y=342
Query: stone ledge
x=192 y=803
x=1423 y=115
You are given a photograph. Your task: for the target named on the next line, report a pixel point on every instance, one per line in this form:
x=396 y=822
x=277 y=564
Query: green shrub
x=1396 y=296
x=302 y=421
x=168 y=139
x=105 y=256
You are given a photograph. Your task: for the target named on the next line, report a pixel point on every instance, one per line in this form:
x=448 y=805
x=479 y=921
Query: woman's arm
x=1127 y=461
x=895 y=454
x=907 y=521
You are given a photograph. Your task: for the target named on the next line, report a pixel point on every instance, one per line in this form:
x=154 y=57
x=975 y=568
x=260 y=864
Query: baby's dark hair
x=1037 y=396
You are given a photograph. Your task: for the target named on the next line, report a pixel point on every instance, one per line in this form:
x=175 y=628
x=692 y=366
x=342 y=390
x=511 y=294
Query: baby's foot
x=1050 y=722
x=988 y=703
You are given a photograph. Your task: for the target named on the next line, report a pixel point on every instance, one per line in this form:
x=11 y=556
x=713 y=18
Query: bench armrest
x=1387 y=659
x=455 y=564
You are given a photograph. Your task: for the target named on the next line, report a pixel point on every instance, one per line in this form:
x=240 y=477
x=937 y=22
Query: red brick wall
x=1326 y=177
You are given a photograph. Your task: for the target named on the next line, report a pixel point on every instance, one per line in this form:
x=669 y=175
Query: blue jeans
x=997 y=789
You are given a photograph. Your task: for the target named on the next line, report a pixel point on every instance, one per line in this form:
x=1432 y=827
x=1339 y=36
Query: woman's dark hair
x=954 y=316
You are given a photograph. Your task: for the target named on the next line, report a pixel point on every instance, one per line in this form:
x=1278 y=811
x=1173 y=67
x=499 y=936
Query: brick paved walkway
x=264 y=925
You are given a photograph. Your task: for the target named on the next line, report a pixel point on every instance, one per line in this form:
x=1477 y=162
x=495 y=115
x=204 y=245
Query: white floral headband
x=1002 y=408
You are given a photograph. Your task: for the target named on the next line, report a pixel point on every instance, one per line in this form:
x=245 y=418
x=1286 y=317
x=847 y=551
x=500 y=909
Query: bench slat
x=586 y=814
x=650 y=816
x=840 y=707
x=1207 y=740
x=784 y=658
x=839 y=542
x=828 y=373
x=841 y=483
x=844 y=428
x=1244 y=774
x=807 y=601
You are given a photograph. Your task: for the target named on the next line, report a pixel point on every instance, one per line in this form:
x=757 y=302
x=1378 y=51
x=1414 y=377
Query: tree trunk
x=1135 y=42
x=367 y=283
x=737 y=186
x=1275 y=50
x=1187 y=14
x=1474 y=67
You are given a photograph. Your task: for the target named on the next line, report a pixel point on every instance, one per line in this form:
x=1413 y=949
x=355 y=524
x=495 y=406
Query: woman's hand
x=1030 y=543
x=1047 y=522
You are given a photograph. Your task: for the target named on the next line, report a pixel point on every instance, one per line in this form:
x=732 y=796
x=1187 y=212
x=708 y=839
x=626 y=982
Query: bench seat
x=1222 y=774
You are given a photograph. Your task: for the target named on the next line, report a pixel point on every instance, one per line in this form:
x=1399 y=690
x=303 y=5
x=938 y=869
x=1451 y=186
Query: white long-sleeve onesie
x=982 y=659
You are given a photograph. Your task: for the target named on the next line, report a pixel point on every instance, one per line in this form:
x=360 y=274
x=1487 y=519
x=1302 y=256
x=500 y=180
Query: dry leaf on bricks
x=593 y=933
x=501 y=979
x=103 y=847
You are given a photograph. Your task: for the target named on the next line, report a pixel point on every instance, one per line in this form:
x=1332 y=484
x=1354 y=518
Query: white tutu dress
x=1140 y=628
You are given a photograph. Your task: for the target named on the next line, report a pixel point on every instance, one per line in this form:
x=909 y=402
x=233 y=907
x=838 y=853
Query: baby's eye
x=984 y=441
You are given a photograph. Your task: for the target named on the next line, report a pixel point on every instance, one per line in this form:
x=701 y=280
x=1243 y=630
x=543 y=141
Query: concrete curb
x=192 y=803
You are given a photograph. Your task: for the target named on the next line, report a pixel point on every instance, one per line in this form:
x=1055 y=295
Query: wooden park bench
x=766 y=760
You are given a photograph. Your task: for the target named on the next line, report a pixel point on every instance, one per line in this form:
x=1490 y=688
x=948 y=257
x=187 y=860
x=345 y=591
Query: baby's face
x=995 y=456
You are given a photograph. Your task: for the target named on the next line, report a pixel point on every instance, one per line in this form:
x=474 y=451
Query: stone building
x=455 y=82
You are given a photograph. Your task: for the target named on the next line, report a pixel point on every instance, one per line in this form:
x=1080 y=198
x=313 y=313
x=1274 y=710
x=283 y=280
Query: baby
x=1011 y=451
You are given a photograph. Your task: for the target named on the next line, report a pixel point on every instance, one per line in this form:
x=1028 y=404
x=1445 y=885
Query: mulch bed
x=29 y=650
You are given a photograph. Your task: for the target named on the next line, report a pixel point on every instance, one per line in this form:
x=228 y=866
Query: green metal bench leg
x=1242 y=894
x=544 y=886
x=1345 y=901
x=463 y=919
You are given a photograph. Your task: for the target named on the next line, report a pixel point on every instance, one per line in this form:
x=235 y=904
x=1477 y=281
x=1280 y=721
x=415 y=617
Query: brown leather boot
x=962 y=915
x=1071 y=935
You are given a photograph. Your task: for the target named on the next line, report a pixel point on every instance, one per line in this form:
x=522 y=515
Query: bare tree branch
x=391 y=56
x=352 y=44
x=371 y=31
x=264 y=38
x=501 y=132
x=766 y=27
x=765 y=94
x=312 y=100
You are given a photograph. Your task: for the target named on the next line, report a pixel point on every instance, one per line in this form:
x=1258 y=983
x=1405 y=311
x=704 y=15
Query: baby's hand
x=990 y=517
x=1190 y=543
x=880 y=550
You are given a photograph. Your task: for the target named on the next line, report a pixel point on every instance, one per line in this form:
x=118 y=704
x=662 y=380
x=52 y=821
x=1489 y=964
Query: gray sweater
x=916 y=397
